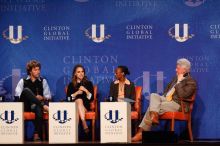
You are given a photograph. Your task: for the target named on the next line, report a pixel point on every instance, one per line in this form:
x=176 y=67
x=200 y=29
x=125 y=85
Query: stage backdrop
x=146 y=35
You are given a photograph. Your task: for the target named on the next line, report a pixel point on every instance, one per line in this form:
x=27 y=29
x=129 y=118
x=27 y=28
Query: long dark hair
x=74 y=78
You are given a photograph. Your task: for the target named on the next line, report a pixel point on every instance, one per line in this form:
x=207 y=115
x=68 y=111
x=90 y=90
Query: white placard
x=115 y=122
x=11 y=123
x=63 y=122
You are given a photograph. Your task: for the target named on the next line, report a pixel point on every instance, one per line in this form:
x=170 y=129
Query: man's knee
x=27 y=92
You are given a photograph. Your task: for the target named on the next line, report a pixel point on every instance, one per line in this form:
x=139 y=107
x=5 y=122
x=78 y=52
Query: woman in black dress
x=80 y=90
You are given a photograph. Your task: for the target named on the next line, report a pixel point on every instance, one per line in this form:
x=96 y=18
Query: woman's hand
x=79 y=92
x=82 y=88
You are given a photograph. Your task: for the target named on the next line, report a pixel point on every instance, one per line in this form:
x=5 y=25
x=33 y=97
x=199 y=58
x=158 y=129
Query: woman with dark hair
x=122 y=87
x=80 y=90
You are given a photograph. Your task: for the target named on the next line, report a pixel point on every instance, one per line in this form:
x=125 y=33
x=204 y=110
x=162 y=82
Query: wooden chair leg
x=190 y=130
x=45 y=129
x=172 y=124
x=136 y=129
x=93 y=130
x=134 y=123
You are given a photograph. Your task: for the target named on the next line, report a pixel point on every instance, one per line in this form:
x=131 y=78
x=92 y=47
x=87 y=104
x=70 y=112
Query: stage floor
x=86 y=143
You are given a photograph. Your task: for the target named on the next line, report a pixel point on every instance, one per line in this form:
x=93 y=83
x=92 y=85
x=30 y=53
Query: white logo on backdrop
x=194 y=3
x=11 y=35
x=176 y=34
x=94 y=37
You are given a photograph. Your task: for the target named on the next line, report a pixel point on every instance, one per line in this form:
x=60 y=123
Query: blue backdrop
x=138 y=33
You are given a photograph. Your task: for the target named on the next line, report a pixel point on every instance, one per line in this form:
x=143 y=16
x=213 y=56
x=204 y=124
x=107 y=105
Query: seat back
x=190 y=102
x=93 y=104
x=137 y=104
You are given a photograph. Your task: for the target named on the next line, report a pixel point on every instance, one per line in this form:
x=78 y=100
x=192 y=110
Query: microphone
x=79 y=83
x=110 y=99
x=68 y=99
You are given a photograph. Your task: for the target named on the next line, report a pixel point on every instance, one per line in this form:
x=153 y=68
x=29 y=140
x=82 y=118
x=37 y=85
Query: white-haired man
x=182 y=85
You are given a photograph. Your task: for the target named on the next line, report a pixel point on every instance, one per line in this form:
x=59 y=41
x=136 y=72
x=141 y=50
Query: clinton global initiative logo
x=56 y=33
x=113 y=117
x=9 y=34
x=150 y=4
x=61 y=117
x=91 y=33
x=8 y=117
x=25 y=6
x=214 y=31
x=203 y=63
x=139 y=32
x=194 y=3
x=100 y=68
x=174 y=32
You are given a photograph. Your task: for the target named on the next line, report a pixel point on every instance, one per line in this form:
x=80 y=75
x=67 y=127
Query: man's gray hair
x=183 y=62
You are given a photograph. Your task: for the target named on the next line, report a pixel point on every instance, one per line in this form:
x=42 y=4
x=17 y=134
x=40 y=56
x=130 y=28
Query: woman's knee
x=79 y=101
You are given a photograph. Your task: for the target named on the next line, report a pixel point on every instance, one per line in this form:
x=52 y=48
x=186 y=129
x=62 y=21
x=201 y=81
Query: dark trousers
x=32 y=104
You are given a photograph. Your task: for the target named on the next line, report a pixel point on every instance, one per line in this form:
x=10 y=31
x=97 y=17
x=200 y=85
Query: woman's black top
x=88 y=85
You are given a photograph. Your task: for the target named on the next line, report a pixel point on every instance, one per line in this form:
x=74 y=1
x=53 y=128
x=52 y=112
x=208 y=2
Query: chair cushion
x=31 y=116
x=90 y=115
x=175 y=115
x=46 y=116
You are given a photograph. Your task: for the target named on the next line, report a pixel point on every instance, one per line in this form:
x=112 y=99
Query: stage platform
x=179 y=143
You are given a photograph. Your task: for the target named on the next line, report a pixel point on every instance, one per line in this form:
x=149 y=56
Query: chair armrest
x=182 y=104
x=93 y=104
x=136 y=104
x=187 y=100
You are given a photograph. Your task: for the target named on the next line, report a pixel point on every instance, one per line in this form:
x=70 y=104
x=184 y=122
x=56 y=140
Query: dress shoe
x=138 y=136
x=37 y=138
